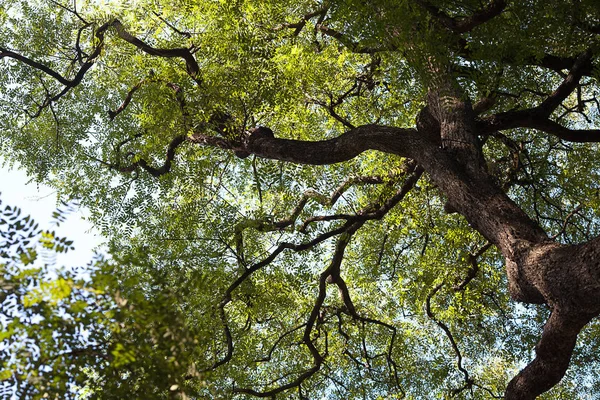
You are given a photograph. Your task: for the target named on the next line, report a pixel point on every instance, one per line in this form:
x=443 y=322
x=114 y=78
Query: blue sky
x=40 y=201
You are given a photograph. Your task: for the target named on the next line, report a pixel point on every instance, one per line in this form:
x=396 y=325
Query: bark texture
x=445 y=144
x=540 y=271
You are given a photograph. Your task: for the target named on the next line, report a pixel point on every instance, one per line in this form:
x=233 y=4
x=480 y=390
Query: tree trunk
x=566 y=278
x=539 y=270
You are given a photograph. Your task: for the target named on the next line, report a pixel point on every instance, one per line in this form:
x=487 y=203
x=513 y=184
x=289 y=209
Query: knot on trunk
x=428 y=125
x=256 y=135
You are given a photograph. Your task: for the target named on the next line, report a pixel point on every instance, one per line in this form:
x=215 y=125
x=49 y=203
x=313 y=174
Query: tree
x=69 y=332
x=348 y=199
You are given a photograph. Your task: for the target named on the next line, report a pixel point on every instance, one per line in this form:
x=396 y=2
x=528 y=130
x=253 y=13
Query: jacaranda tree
x=324 y=199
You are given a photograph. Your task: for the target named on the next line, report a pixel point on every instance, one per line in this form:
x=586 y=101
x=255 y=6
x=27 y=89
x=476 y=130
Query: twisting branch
x=566 y=221
x=175 y=142
x=298 y=26
x=356 y=90
x=72 y=11
x=472 y=272
x=468 y=380
x=281 y=337
x=255 y=267
x=330 y=107
x=466 y=24
x=548 y=61
x=318 y=358
x=66 y=82
x=165 y=168
x=192 y=66
x=334 y=270
x=268 y=225
x=567 y=87
x=330 y=275
x=373 y=211
x=553 y=354
x=324 y=278
x=538 y=117
x=528 y=119
x=113 y=113
x=335 y=277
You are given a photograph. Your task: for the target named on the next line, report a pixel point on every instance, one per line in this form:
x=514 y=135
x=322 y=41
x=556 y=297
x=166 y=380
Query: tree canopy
x=317 y=199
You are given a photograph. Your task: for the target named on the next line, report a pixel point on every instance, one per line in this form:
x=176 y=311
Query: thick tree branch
x=342 y=148
x=553 y=354
x=485 y=209
x=548 y=61
x=40 y=67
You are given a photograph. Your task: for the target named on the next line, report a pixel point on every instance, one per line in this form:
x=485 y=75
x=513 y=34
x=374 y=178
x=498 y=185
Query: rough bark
x=445 y=144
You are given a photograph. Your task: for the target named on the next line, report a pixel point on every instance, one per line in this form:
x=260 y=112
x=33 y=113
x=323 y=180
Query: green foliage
x=76 y=332
x=152 y=319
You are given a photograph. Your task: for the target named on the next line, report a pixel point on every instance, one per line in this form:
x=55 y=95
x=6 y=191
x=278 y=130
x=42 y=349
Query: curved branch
x=269 y=355
x=255 y=267
x=350 y=144
x=466 y=24
x=444 y=327
x=318 y=358
x=548 y=61
x=192 y=66
x=538 y=117
x=530 y=119
x=568 y=85
x=4 y=52
x=112 y=114
x=330 y=275
x=68 y=83
x=165 y=168
x=472 y=272
x=298 y=26
x=267 y=225
x=350 y=309
x=566 y=221
x=553 y=354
